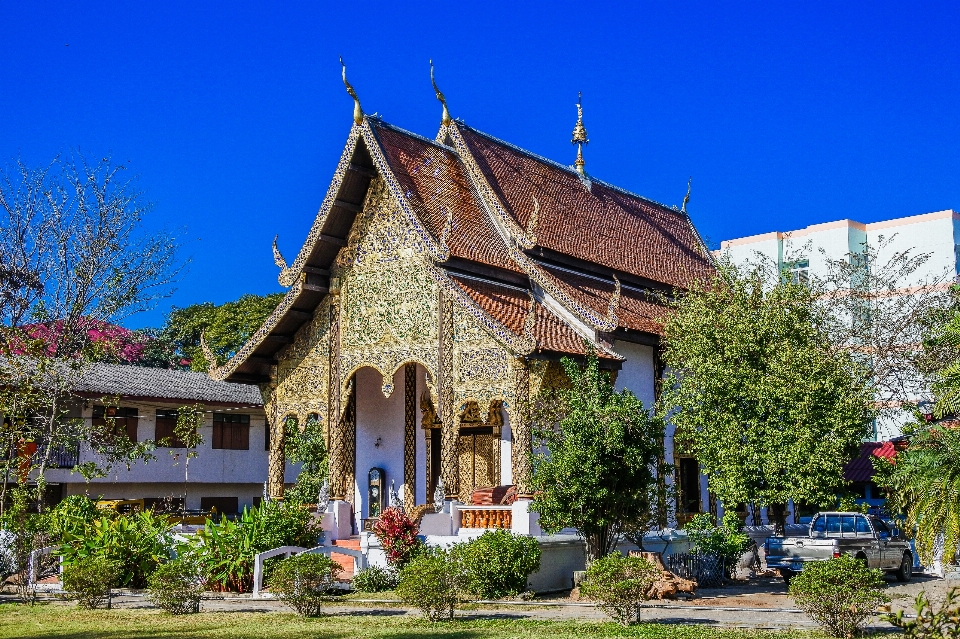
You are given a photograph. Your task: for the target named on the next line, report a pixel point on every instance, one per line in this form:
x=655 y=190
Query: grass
x=67 y=622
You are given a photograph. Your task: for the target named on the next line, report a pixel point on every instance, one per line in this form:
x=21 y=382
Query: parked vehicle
x=831 y=534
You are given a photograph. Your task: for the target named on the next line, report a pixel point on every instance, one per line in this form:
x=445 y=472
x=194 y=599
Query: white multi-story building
x=806 y=253
x=230 y=468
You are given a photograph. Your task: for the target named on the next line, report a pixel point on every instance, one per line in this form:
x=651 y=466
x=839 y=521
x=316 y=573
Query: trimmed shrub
x=619 y=585
x=88 y=580
x=176 y=587
x=432 y=582
x=839 y=594
x=305 y=582
x=374 y=579
x=929 y=623
x=497 y=563
x=397 y=534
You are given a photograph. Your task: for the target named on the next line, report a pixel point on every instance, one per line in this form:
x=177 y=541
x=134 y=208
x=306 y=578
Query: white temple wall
x=378 y=417
x=506 y=450
x=638 y=371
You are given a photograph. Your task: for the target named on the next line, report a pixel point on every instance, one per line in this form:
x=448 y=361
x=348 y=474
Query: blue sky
x=233 y=114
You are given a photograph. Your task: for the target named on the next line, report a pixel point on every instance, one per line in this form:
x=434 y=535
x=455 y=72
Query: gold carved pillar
x=348 y=427
x=520 y=428
x=337 y=458
x=277 y=459
x=449 y=418
x=410 y=435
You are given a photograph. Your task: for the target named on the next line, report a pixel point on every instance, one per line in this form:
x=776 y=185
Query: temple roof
x=501 y=225
x=595 y=222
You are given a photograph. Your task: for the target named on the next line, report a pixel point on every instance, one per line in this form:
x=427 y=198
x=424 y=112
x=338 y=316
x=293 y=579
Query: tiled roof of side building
x=861 y=469
x=435 y=181
x=604 y=224
x=510 y=305
x=163 y=384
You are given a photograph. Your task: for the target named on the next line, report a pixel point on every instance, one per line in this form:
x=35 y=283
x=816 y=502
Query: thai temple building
x=441 y=283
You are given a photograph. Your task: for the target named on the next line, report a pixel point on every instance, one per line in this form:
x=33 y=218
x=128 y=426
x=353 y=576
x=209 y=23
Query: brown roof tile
x=603 y=224
x=509 y=306
x=435 y=181
x=634 y=311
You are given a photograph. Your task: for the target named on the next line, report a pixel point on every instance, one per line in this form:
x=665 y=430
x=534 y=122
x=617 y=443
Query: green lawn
x=67 y=622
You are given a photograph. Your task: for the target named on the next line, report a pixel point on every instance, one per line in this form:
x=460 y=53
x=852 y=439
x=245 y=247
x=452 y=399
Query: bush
x=225 y=551
x=930 y=623
x=374 y=579
x=89 y=580
x=398 y=536
x=176 y=587
x=839 y=593
x=497 y=563
x=619 y=585
x=136 y=543
x=305 y=581
x=74 y=514
x=724 y=541
x=432 y=582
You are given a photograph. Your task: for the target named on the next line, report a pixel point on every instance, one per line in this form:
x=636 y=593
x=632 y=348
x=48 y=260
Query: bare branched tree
x=73 y=256
x=876 y=302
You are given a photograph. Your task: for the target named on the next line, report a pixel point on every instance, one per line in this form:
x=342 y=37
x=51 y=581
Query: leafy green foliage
x=89 y=580
x=375 y=579
x=74 y=514
x=596 y=454
x=305 y=582
x=225 y=551
x=305 y=447
x=724 y=541
x=839 y=594
x=772 y=409
x=924 y=484
x=136 y=544
x=944 y=622
x=619 y=585
x=432 y=582
x=176 y=587
x=226 y=328
x=497 y=563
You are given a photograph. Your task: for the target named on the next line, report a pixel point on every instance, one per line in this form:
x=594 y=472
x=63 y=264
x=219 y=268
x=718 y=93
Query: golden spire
x=357 y=111
x=579 y=135
x=686 y=198
x=445 y=119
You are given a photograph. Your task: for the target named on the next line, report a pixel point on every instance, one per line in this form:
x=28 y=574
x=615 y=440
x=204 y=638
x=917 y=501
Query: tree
x=74 y=261
x=225 y=328
x=597 y=451
x=923 y=482
x=187 y=433
x=305 y=446
x=772 y=408
x=877 y=304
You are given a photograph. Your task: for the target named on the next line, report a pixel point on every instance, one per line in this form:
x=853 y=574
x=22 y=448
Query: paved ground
x=759 y=603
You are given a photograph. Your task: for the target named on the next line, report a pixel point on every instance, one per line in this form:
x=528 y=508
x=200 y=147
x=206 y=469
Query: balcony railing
x=60 y=457
x=486 y=517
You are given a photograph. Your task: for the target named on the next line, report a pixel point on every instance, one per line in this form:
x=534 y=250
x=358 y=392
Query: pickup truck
x=831 y=534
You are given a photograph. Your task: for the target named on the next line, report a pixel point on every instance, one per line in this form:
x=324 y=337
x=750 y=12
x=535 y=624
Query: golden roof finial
x=579 y=135
x=686 y=198
x=357 y=111
x=445 y=119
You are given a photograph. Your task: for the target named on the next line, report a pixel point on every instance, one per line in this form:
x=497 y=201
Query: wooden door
x=475 y=457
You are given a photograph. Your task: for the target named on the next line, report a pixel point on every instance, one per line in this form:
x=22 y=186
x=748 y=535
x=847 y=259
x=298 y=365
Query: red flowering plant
x=398 y=536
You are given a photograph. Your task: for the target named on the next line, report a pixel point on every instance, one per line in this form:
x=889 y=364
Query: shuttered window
x=165 y=434
x=124 y=420
x=231 y=431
